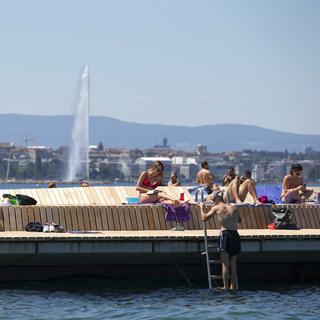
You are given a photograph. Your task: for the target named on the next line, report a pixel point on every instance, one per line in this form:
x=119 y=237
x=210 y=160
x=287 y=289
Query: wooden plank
x=12 y=215
x=62 y=217
x=89 y=196
x=191 y=222
x=296 y=217
x=258 y=212
x=105 y=196
x=252 y=217
x=308 y=216
x=79 y=214
x=55 y=215
x=37 y=216
x=106 y=213
x=68 y=195
x=316 y=214
x=155 y=217
x=62 y=195
x=30 y=210
x=6 y=218
x=89 y=224
x=92 y=218
x=115 y=196
x=97 y=213
x=139 y=217
x=123 y=224
x=144 y=218
x=195 y=212
x=24 y=217
x=49 y=214
x=43 y=215
x=68 y=218
x=2 y=228
x=115 y=215
x=163 y=225
x=299 y=211
x=46 y=196
x=151 y=222
x=133 y=217
x=74 y=219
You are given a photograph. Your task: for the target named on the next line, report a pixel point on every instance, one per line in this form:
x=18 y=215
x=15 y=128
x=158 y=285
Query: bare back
x=228 y=216
x=204 y=177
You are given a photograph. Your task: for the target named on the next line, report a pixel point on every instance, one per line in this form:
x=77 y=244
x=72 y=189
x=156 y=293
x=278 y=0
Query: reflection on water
x=101 y=299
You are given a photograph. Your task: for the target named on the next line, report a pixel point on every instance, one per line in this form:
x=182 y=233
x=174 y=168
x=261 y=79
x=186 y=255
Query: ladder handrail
x=207 y=254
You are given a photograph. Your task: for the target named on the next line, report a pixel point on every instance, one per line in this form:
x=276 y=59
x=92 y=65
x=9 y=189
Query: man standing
x=229 y=239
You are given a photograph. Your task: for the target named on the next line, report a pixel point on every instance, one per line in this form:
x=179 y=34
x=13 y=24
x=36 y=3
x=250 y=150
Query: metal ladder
x=211 y=277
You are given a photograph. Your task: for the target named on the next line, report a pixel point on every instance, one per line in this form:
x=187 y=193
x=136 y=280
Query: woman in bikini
x=293 y=188
x=147 y=185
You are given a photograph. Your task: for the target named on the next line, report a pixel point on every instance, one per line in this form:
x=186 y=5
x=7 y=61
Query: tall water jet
x=78 y=168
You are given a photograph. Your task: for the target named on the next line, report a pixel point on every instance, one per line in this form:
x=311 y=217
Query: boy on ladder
x=229 y=240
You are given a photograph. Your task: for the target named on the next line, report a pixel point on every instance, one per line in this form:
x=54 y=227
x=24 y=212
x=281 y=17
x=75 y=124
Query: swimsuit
x=229 y=242
x=147 y=183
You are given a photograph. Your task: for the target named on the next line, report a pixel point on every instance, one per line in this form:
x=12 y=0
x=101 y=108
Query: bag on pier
x=283 y=219
x=34 y=227
x=20 y=199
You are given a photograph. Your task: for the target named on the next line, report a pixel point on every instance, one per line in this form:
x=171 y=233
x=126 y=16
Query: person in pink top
x=147 y=185
x=293 y=188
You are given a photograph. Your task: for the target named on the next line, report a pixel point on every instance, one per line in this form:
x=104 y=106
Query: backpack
x=34 y=227
x=283 y=219
x=26 y=200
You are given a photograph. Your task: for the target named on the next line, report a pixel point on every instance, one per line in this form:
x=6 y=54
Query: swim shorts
x=229 y=242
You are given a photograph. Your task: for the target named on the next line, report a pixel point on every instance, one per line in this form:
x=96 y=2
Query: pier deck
x=108 y=239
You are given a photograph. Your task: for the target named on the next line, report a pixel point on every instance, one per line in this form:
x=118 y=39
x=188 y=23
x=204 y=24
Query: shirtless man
x=293 y=188
x=174 y=182
x=229 y=240
x=239 y=188
x=228 y=177
x=204 y=176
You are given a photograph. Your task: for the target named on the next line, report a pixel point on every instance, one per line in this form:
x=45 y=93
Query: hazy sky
x=171 y=62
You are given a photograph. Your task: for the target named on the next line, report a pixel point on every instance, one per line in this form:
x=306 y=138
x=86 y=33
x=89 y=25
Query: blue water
x=95 y=299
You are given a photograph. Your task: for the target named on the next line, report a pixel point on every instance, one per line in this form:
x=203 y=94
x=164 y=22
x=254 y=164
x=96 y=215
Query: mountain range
x=54 y=131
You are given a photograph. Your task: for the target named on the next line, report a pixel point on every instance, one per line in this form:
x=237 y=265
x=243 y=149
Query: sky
x=175 y=62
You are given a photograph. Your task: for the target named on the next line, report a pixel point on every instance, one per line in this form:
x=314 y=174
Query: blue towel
x=273 y=192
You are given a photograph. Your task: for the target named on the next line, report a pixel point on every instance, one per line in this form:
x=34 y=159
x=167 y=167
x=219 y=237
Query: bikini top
x=147 y=183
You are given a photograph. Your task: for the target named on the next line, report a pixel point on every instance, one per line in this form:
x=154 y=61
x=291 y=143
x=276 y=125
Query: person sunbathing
x=228 y=177
x=147 y=185
x=293 y=188
x=229 y=239
x=174 y=182
x=239 y=188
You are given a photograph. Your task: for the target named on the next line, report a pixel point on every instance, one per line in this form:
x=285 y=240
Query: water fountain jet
x=78 y=166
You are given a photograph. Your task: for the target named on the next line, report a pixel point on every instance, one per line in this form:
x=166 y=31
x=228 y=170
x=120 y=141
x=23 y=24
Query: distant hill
x=54 y=131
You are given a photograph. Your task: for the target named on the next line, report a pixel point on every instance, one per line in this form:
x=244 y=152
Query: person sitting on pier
x=228 y=177
x=293 y=188
x=239 y=188
x=174 y=182
x=204 y=176
x=229 y=239
x=148 y=182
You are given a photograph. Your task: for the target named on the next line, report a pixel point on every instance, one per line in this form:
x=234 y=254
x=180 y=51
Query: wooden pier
x=107 y=238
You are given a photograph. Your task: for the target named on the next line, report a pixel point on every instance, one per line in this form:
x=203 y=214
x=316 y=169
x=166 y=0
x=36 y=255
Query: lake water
x=100 y=299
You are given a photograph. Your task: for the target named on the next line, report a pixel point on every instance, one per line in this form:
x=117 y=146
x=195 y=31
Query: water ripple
x=93 y=300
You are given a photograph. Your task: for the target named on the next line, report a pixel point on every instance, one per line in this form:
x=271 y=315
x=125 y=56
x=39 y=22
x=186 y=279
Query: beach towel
x=271 y=192
x=177 y=214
